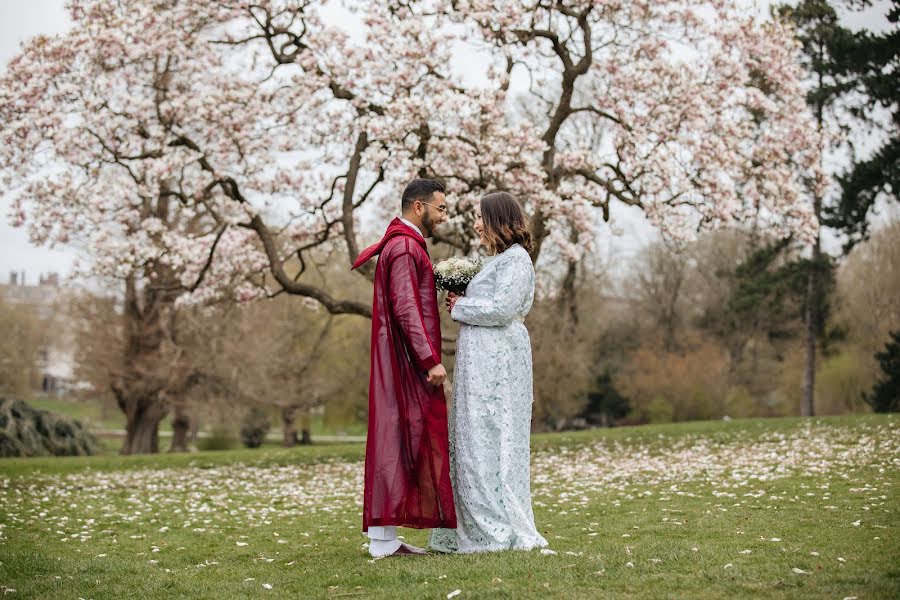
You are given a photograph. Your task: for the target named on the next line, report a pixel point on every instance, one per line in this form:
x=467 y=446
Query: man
x=407 y=473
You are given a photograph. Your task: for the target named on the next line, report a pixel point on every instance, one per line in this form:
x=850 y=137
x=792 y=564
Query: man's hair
x=420 y=189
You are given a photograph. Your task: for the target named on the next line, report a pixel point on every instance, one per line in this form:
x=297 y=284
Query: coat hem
x=410 y=523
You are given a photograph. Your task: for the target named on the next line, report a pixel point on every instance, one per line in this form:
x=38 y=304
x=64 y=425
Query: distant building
x=55 y=360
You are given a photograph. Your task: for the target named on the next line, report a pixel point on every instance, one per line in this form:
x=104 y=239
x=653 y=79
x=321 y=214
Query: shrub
x=255 y=428
x=220 y=438
x=841 y=384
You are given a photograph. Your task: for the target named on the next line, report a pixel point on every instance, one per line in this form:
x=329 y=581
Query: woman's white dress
x=490 y=416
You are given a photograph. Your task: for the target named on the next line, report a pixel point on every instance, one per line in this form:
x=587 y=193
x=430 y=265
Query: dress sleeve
x=514 y=282
x=407 y=309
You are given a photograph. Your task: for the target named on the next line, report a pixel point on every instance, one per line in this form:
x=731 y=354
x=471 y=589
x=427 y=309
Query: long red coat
x=407 y=480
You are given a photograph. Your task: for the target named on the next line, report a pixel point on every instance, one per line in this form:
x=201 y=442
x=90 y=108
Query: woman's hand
x=451 y=301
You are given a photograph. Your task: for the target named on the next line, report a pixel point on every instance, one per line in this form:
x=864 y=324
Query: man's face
x=434 y=213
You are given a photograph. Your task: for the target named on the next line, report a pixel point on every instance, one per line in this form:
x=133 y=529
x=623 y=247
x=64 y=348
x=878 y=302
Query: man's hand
x=437 y=374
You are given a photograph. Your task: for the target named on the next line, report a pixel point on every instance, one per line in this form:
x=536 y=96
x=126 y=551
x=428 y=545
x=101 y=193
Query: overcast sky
x=23 y=19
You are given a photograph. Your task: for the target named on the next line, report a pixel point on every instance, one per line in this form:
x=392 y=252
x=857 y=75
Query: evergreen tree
x=858 y=70
x=770 y=293
x=866 y=65
x=885 y=396
x=844 y=67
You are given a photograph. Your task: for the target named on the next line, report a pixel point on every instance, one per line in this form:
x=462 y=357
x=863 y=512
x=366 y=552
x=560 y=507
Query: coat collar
x=396 y=228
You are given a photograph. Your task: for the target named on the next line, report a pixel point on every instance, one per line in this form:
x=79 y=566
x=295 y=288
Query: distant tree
x=816 y=25
x=885 y=396
x=773 y=287
x=854 y=79
x=853 y=76
x=21 y=341
x=864 y=66
x=657 y=285
x=868 y=298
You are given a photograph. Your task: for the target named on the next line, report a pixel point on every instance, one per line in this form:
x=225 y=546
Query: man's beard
x=427 y=225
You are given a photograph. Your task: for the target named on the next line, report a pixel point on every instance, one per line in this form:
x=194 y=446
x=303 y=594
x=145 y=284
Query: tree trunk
x=195 y=429
x=141 y=385
x=142 y=427
x=305 y=437
x=810 y=327
x=568 y=301
x=288 y=414
x=181 y=425
x=810 y=315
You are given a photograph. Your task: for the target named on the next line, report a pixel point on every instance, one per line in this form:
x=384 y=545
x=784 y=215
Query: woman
x=490 y=418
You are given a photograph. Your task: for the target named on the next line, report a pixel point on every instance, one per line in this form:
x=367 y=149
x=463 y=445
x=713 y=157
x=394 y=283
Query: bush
x=687 y=385
x=25 y=431
x=605 y=404
x=658 y=410
x=841 y=384
x=255 y=428
x=739 y=403
x=220 y=438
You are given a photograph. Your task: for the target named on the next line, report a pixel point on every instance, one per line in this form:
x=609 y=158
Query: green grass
x=674 y=511
x=91 y=414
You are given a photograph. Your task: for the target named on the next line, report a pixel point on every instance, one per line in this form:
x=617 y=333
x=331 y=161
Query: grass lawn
x=783 y=508
x=91 y=414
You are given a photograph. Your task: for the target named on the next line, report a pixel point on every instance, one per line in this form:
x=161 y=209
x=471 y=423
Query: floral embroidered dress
x=490 y=417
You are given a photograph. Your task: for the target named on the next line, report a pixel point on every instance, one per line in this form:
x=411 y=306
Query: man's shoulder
x=403 y=244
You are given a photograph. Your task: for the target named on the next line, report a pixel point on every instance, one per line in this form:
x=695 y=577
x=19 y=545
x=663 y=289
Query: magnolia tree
x=160 y=133
x=207 y=149
x=691 y=111
x=222 y=139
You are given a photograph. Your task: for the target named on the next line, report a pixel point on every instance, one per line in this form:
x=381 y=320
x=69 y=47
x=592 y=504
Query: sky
x=23 y=19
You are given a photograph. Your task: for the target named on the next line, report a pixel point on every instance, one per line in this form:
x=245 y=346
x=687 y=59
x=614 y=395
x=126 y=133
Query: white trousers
x=383 y=541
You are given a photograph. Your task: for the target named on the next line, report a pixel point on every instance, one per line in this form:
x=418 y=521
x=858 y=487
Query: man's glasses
x=441 y=209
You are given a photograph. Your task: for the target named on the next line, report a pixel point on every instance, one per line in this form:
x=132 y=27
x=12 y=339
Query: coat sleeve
x=514 y=282
x=407 y=309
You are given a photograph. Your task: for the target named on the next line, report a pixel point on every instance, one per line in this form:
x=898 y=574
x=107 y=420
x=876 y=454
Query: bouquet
x=455 y=273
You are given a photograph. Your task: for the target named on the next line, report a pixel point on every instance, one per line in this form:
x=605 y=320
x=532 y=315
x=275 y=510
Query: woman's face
x=479 y=224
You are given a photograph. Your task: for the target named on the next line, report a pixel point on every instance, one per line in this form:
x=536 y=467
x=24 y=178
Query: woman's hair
x=504 y=223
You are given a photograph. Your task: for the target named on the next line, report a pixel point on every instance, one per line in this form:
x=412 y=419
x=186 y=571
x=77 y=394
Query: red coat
x=407 y=480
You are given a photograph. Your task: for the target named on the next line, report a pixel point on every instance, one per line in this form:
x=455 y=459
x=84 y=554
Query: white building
x=56 y=360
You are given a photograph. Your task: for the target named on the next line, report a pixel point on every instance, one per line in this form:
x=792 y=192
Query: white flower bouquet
x=455 y=273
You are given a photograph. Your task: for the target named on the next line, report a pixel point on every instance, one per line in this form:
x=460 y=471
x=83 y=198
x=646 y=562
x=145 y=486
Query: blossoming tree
x=207 y=148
